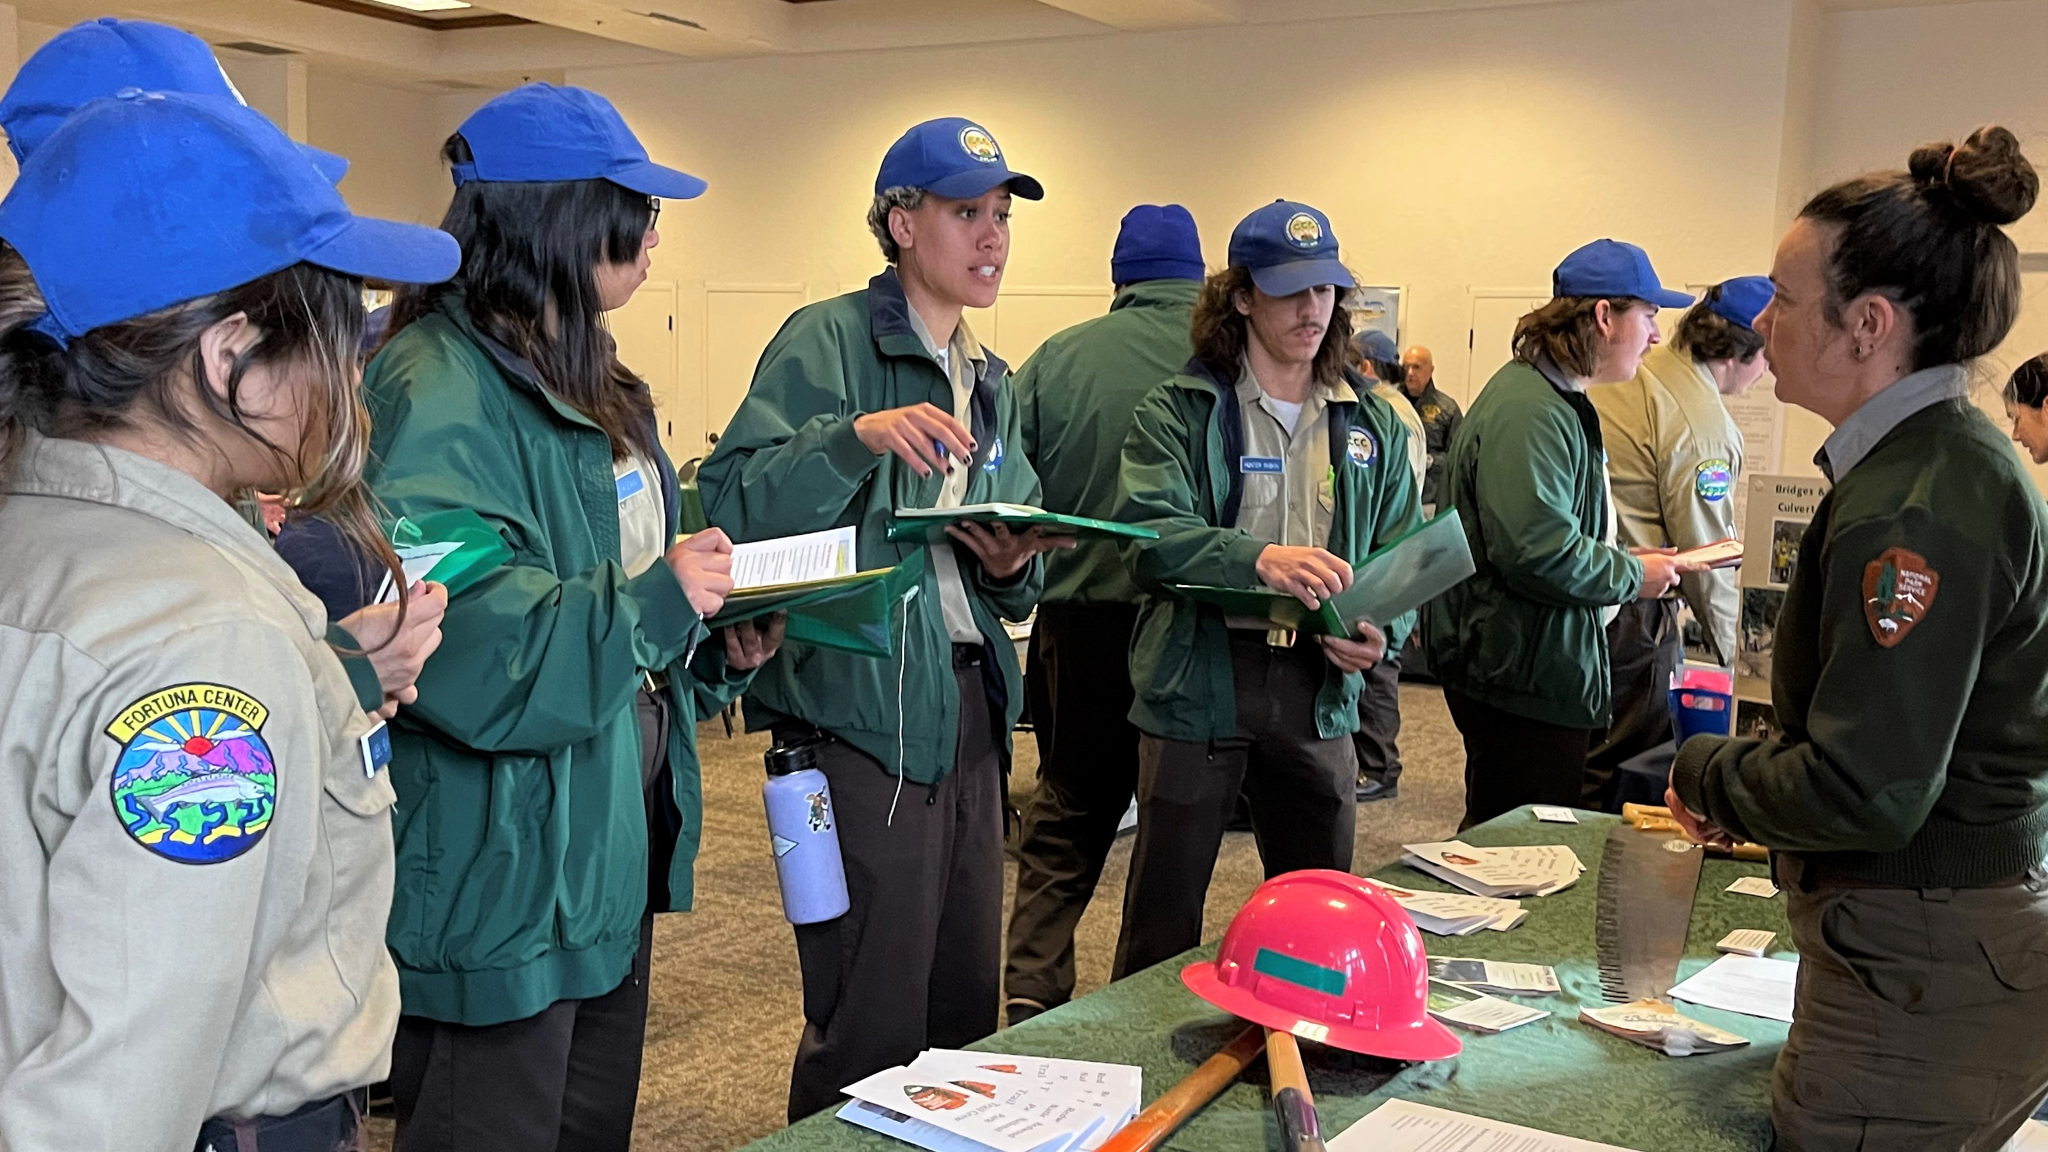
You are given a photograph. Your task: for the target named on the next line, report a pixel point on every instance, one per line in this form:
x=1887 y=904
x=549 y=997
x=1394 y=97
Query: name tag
x=376 y=749
x=1271 y=464
x=631 y=484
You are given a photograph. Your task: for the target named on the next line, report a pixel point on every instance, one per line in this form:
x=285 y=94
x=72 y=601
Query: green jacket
x=1524 y=633
x=521 y=828
x=790 y=462
x=1179 y=478
x=1907 y=675
x=1075 y=399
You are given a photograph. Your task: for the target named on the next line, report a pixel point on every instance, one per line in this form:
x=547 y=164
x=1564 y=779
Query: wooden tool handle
x=1657 y=818
x=1150 y=1128
x=1294 y=1106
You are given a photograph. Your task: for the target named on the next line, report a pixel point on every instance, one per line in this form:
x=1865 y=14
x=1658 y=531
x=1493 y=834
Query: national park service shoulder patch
x=1898 y=592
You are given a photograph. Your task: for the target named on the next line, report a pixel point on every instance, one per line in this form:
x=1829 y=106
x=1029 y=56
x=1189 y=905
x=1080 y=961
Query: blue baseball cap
x=149 y=199
x=541 y=133
x=1741 y=300
x=1610 y=268
x=105 y=56
x=1289 y=247
x=954 y=158
x=1156 y=242
x=1373 y=344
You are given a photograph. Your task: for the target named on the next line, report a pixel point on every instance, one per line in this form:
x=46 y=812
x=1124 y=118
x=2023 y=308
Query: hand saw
x=1647 y=881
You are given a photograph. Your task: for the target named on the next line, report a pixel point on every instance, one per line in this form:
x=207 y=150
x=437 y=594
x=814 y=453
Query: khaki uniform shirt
x=1675 y=457
x=955 y=358
x=195 y=867
x=1290 y=497
x=1418 y=438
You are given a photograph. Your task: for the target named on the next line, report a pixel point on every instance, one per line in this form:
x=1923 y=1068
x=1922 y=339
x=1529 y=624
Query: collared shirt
x=1856 y=436
x=643 y=522
x=1289 y=492
x=962 y=360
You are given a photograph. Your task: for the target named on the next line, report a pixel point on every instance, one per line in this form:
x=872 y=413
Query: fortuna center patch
x=1711 y=480
x=195 y=782
x=1361 y=447
x=1898 y=590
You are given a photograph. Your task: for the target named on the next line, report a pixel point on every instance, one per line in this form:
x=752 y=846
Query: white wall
x=1452 y=151
x=392 y=137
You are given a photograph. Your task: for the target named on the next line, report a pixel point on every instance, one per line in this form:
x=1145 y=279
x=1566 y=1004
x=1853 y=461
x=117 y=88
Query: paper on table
x=922 y=1134
x=1551 y=814
x=998 y=1111
x=417 y=561
x=1751 y=985
x=2032 y=1137
x=1451 y=914
x=1118 y=1089
x=1405 y=1126
x=793 y=559
x=1754 y=886
x=1747 y=941
x=1535 y=870
x=1495 y=976
x=1457 y=1004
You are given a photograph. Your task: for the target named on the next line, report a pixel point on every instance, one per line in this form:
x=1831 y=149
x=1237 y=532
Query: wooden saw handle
x=1150 y=1128
x=1294 y=1106
x=1657 y=818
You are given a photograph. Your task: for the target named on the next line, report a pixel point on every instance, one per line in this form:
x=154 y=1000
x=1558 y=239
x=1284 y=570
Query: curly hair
x=1220 y=332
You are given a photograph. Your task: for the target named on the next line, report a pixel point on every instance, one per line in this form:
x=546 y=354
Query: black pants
x=1379 y=722
x=1080 y=684
x=915 y=962
x=565 y=1080
x=1512 y=760
x=1303 y=792
x=1644 y=648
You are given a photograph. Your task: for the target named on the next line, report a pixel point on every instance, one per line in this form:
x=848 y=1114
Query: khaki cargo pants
x=1921 y=1022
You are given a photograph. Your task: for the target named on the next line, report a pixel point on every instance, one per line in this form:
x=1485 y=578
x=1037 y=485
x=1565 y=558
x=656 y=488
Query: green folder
x=1398 y=578
x=929 y=524
x=855 y=613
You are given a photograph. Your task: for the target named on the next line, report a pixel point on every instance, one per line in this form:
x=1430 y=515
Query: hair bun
x=1986 y=175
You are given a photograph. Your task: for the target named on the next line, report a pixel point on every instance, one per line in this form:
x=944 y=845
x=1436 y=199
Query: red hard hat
x=1331 y=958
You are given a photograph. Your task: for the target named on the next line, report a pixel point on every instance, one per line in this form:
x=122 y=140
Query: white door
x=1489 y=341
x=645 y=329
x=739 y=320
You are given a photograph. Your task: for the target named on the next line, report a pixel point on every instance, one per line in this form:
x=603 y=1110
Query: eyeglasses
x=653 y=211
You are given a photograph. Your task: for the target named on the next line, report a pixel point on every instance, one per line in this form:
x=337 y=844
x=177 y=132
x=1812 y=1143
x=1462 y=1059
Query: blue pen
x=940 y=445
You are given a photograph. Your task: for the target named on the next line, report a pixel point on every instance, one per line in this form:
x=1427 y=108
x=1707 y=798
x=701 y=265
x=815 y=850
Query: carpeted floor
x=727 y=1004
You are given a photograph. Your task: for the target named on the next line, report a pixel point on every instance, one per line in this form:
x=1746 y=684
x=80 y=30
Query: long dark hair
x=1567 y=329
x=2029 y=383
x=1219 y=331
x=1705 y=334
x=1929 y=240
x=529 y=255
x=120 y=374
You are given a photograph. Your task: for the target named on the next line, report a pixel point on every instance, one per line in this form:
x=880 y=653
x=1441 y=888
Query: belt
x=966 y=656
x=1808 y=876
x=321 y=1126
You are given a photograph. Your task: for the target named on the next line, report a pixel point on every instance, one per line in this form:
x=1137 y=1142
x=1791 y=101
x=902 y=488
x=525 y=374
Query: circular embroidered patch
x=979 y=144
x=1304 y=230
x=1711 y=479
x=1361 y=447
x=195 y=781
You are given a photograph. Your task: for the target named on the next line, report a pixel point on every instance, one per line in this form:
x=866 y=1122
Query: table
x=1555 y=1074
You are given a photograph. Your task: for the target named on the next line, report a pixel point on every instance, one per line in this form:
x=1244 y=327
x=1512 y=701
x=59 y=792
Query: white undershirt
x=1289 y=414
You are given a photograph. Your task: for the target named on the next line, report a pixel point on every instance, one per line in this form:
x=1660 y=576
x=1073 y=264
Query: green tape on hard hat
x=1314 y=977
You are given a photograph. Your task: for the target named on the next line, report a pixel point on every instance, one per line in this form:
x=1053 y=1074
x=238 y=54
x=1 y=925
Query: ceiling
x=500 y=41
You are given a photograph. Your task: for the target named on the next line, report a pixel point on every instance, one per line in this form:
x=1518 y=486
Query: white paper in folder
x=1404 y=1126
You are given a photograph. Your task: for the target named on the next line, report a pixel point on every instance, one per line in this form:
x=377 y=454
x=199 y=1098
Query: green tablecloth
x=1555 y=1074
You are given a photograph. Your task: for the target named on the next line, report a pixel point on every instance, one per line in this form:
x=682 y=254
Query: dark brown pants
x=1920 y=1021
x=1512 y=760
x=1080 y=683
x=1379 y=722
x=916 y=961
x=1302 y=790
x=1644 y=648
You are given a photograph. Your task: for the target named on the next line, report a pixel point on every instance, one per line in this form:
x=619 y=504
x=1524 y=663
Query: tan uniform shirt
x=1675 y=457
x=958 y=358
x=195 y=867
x=1290 y=496
x=1418 y=437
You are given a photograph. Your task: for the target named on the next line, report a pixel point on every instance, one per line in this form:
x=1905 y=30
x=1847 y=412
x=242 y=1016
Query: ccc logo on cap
x=979 y=144
x=1304 y=230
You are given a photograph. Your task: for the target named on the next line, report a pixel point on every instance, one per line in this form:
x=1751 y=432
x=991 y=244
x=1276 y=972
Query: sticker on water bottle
x=820 y=811
x=782 y=845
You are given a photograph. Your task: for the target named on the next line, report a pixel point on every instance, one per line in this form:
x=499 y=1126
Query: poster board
x=1778 y=509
